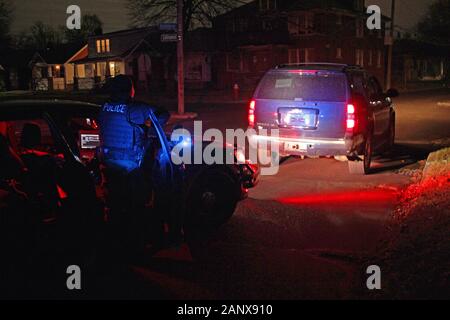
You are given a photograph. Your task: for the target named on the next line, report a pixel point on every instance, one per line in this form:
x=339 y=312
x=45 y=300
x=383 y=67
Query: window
x=358 y=84
x=103 y=46
x=359 y=5
x=339 y=19
x=233 y=62
x=293 y=56
x=359 y=28
x=360 y=57
x=81 y=71
x=308 y=87
x=265 y=5
x=300 y=55
x=370 y=62
x=373 y=89
x=302 y=24
x=339 y=53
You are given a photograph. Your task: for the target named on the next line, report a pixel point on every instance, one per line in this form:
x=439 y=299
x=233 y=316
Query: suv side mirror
x=392 y=93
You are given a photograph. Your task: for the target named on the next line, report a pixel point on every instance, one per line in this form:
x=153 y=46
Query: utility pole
x=180 y=54
x=391 y=47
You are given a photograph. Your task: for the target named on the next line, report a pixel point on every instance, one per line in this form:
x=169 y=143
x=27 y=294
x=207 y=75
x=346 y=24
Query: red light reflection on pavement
x=350 y=197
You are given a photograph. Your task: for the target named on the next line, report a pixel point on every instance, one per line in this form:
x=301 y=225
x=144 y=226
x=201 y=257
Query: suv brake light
x=351 y=120
x=251 y=113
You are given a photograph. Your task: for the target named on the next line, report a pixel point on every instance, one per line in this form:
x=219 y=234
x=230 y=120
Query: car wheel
x=361 y=166
x=211 y=203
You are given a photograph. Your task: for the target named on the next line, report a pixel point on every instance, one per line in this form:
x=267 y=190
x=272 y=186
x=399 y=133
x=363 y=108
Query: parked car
x=68 y=132
x=325 y=110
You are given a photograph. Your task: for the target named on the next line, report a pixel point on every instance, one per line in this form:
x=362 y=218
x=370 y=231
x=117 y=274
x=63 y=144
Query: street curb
x=438 y=164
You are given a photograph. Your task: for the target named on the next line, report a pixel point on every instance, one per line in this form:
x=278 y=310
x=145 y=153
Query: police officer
x=124 y=126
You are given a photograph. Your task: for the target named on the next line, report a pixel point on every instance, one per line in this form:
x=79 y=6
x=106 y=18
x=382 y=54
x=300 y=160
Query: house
x=138 y=53
x=264 y=33
x=51 y=69
x=2 y=79
x=418 y=63
x=16 y=74
x=199 y=48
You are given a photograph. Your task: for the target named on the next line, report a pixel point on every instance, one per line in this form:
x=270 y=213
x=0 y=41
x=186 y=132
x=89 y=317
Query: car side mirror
x=392 y=93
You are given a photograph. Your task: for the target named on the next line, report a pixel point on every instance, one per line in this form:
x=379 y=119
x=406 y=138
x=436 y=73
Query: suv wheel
x=361 y=165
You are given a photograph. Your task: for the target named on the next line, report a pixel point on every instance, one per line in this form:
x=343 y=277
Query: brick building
x=263 y=33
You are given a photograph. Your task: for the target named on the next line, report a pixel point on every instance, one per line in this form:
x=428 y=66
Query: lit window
x=339 y=53
x=103 y=46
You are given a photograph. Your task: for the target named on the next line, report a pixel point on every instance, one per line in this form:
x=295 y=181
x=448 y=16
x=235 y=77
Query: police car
x=68 y=133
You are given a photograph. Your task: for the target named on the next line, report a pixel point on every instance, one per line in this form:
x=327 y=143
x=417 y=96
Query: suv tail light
x=351 y=119
x=251 y=113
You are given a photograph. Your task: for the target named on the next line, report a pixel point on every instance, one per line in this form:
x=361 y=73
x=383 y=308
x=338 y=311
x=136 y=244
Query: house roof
x=297 y=5
x=58 y=55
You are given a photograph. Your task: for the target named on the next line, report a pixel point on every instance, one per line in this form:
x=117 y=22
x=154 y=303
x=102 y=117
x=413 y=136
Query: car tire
x=211 y=203
x=361 y=165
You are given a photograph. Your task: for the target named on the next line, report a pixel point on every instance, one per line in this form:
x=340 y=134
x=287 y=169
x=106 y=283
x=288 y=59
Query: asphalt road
x=302 y=234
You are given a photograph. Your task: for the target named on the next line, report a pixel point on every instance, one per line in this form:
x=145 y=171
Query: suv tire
x=361 y=165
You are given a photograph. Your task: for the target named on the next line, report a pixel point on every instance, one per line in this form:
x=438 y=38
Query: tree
x=435 y=26
x=196 y=12
x=40 y=37
x=90 y=25
x=5 y=21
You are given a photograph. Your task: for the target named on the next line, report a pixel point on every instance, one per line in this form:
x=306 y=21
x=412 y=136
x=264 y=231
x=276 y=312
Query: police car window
x=33 y=134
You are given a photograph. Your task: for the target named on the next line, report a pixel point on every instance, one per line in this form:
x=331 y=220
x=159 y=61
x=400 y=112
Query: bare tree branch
x=196 y=12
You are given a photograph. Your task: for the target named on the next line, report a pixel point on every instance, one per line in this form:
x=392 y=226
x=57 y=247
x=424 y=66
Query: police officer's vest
x=119 y=138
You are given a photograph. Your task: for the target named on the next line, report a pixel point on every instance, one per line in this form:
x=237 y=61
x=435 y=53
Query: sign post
x=180 y=54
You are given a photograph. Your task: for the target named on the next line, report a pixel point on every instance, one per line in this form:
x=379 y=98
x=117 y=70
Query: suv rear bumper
x=311 y=146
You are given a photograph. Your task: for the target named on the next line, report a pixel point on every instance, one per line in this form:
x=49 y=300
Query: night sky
x=114 y=15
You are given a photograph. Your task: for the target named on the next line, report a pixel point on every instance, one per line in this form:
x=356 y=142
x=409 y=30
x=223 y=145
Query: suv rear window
x=329 y=87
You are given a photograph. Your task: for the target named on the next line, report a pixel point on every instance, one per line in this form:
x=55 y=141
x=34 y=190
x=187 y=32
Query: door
x=381 y=108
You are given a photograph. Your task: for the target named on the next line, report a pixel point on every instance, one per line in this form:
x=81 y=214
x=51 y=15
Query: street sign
x=168 y=27
x=169 y=37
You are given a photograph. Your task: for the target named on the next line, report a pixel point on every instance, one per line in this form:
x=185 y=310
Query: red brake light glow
x=251 y=113
x=351 y=121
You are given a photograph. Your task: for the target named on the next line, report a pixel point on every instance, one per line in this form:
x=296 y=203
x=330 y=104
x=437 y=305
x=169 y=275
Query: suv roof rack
x=319 y=65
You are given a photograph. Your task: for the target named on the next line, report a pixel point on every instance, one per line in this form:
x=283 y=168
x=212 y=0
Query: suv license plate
x=292 y=146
